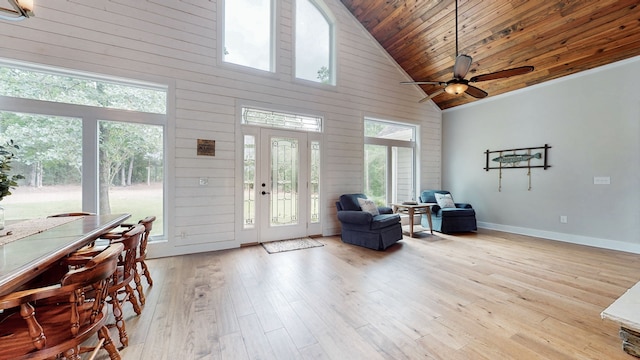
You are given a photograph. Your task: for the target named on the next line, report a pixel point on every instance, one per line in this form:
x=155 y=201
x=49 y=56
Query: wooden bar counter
x=22 y=259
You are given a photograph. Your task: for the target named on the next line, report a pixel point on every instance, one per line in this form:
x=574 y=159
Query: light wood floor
x=489 y=295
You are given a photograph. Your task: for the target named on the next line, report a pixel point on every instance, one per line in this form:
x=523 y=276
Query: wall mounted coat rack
x=522 y=158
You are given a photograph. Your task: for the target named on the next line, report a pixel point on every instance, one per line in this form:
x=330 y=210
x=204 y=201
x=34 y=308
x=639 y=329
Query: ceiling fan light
x=21 y=9
x=27 y=5
x=456 y=89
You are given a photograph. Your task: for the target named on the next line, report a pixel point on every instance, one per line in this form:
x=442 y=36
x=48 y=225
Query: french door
x=282 y=185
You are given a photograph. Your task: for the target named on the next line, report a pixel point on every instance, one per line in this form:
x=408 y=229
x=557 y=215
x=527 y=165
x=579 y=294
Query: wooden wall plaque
x=206 y=147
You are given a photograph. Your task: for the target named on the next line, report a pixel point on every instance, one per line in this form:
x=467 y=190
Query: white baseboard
x=569 y=238
x=158 y=250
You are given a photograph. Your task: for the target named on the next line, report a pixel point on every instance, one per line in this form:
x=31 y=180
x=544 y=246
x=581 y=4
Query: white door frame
x=255 y=233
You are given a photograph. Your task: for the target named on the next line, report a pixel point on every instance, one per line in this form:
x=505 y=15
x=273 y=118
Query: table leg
x=630 y=341
x=429 y=219
x=410 y=222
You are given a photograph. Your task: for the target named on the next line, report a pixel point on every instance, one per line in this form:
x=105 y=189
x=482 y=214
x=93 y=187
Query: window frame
x=90 y=116
x=390 y=144
x=250 y=235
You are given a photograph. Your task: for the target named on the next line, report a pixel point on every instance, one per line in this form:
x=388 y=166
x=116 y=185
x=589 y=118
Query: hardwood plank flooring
x=489 y=295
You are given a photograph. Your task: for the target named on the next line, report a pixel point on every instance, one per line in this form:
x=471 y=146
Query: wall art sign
x=522 y=158
x=206 y=147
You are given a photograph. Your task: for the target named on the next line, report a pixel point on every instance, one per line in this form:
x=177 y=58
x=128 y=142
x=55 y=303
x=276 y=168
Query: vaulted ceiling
x=558 y=38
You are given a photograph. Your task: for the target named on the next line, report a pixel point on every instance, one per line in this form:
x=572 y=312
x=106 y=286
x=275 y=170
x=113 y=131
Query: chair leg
x=117 y=314
x=136 y=278
x=147 y=275
x=108 y=345
x=131 y=296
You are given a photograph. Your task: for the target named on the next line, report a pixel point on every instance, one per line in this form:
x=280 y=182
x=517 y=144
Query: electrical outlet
x=563 y=219
x=601 y=180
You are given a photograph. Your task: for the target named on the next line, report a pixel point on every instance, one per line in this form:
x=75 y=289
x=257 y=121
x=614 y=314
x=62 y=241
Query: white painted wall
x=592 y=122
x=177 y=43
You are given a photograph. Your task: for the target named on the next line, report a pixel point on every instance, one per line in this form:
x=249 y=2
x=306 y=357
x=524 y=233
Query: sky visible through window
x=248 y=33
x=312 y=41
x=248 y=36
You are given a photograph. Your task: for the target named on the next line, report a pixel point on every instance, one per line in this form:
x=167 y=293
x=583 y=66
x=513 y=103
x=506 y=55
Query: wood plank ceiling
x=558 y=38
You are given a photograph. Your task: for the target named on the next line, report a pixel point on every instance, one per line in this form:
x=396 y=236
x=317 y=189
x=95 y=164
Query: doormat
x=290 y=245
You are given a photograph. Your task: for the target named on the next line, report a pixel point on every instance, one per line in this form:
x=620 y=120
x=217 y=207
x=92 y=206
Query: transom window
x=64 y=88
x=314 y=35
x=248 y=33
x=266 y=118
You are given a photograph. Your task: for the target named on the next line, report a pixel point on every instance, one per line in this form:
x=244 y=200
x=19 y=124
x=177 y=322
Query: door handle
x=266 y=192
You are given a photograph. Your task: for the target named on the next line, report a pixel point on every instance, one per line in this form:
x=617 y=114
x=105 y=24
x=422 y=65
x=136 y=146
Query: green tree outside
x=51 y=147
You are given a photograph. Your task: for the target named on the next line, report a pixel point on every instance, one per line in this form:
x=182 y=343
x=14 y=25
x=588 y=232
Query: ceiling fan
x=459 y=84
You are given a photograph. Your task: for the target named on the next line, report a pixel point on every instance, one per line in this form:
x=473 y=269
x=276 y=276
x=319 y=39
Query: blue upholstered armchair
x=461 y=218
x=363 y=228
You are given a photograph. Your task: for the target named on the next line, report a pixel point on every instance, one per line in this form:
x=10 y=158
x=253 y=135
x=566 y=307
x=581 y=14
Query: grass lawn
x=138 y=200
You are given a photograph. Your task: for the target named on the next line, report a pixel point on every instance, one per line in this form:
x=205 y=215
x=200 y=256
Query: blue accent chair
x=462 y=218
x=363 y=229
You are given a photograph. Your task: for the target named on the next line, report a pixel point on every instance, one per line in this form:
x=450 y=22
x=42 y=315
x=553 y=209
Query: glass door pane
x=314 y=183
x=249 y=183
x=284 y=181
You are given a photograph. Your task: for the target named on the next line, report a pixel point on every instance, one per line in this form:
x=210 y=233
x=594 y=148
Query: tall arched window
x=314 y=37
x=248 y=33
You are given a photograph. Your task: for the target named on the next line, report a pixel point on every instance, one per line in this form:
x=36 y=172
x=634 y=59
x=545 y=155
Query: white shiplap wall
x=177 y=43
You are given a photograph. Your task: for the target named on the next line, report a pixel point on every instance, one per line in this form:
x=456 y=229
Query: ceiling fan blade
x=462 y=66
x=422 y=83
x=475 y=92
x=438 y=92
x=502 y=74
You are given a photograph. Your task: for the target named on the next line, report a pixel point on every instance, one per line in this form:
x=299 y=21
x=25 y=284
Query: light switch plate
x=601 y=180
